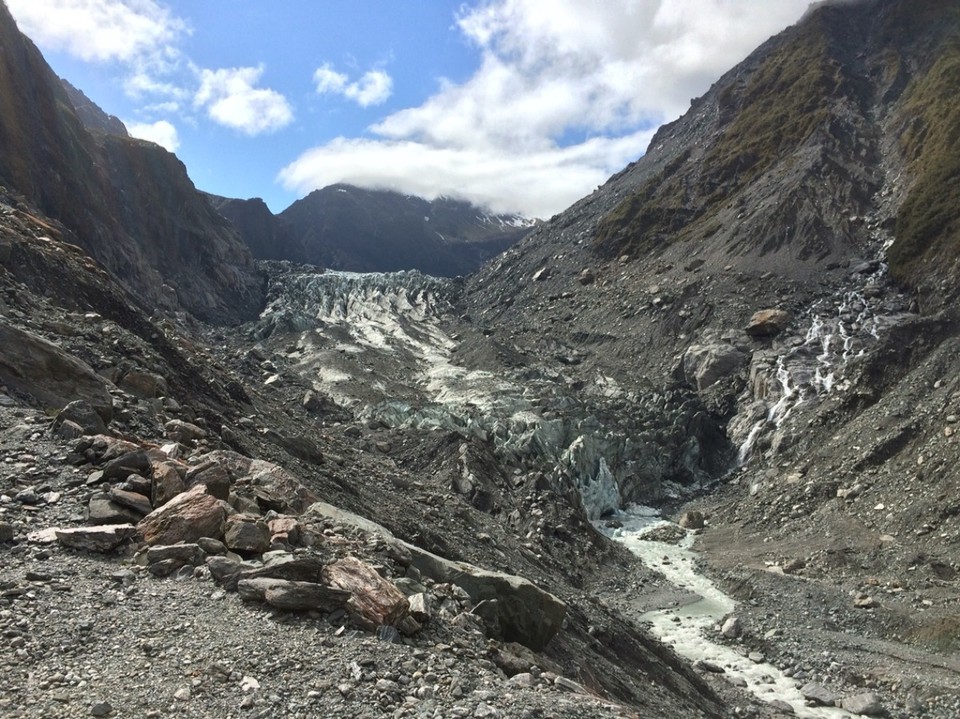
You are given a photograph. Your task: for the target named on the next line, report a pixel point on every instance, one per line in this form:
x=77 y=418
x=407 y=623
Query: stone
x=767 y=323
x=102 y=510
x=68 y=429
x=864 y=601
x=212 y=474
x=311 y=402
x=373 y=599
x=212 y=546
x=420 y=607
x=182 y=553
x=818 y=695
x=102 y=539
x=31 y=365
x=101 y=709
x=285 y=530
x=167 y=483
x=131 y=500
x=145 y=385
x=705 y=365
x=136 y=462
x=292 y=596
x=185 y=518
x=6 y=532
x=183 y=432
x=81 y=414
x=782 y=706
x=586 y=276
x=867 y=704
x=731 y=628
x=692 y=519
x=793 y=566
x=541 y=274
x=247 y=535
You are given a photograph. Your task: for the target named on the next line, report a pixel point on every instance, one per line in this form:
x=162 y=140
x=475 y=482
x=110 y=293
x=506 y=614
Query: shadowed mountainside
x=349 y=228
x=127 y=202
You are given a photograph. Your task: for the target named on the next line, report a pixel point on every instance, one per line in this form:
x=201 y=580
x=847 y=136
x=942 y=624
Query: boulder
x=705 y=365
x=867 y=704
x=136 y=462
x=103 y=511
x=293 y=596
x=731 y=628
x=131 y=500
x=167 y=483
x=527 y=614
x=692 y=519
x=183 y=554
x=768 y=323
x=145 y=385
x=186 y=518
x=82 y=414
x=247 y=535
x=183 y=432
x=212 y=474
x=31 y=365
x=819 y=695
x=374 y=601
x=103 y=539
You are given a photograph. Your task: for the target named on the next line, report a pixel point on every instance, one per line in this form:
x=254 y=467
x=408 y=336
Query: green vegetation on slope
x=780 y=106
x=928 y=224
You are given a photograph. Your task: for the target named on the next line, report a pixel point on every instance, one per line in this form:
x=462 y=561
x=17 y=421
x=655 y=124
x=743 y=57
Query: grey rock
x=292 y=596
x=6 y=532
x=867 y=704
x=183 y=432
x=247 y=535
x=102 y=510
x=182 y=553
x=212 y=546
x=731 y=628
x=101 y=709
x=214 y=476
x=34 y=366
x=102 y=539
x=782 y=707
x=136 y=462
x=819 y=694
x=131 y=500
x=705 y=365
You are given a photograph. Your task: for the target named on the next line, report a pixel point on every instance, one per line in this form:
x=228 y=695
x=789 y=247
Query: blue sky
x=497 y=101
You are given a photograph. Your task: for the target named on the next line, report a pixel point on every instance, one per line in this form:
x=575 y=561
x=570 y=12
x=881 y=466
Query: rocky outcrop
x=126 y=202
x=523 y=612
x=41 y=370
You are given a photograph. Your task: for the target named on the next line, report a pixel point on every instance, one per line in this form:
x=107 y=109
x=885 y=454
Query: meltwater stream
x=808 y=369
x=686 y=628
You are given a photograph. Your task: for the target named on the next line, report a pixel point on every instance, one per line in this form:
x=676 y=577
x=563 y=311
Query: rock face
x=127 y=202
x=36 y=367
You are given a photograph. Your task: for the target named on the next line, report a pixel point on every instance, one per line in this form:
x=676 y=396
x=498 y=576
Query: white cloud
x=231 y=98
x=373 y=87
x=537 y=183
x=98 y=30
x=608 y=72
x=161 y=132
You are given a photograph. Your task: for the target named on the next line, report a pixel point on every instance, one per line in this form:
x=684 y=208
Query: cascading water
x=808 y=369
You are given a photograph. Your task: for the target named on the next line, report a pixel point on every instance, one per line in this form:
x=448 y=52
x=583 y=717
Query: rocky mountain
x=91 y=115
x=127 y=202
x=686 y=450
x=350 y=228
